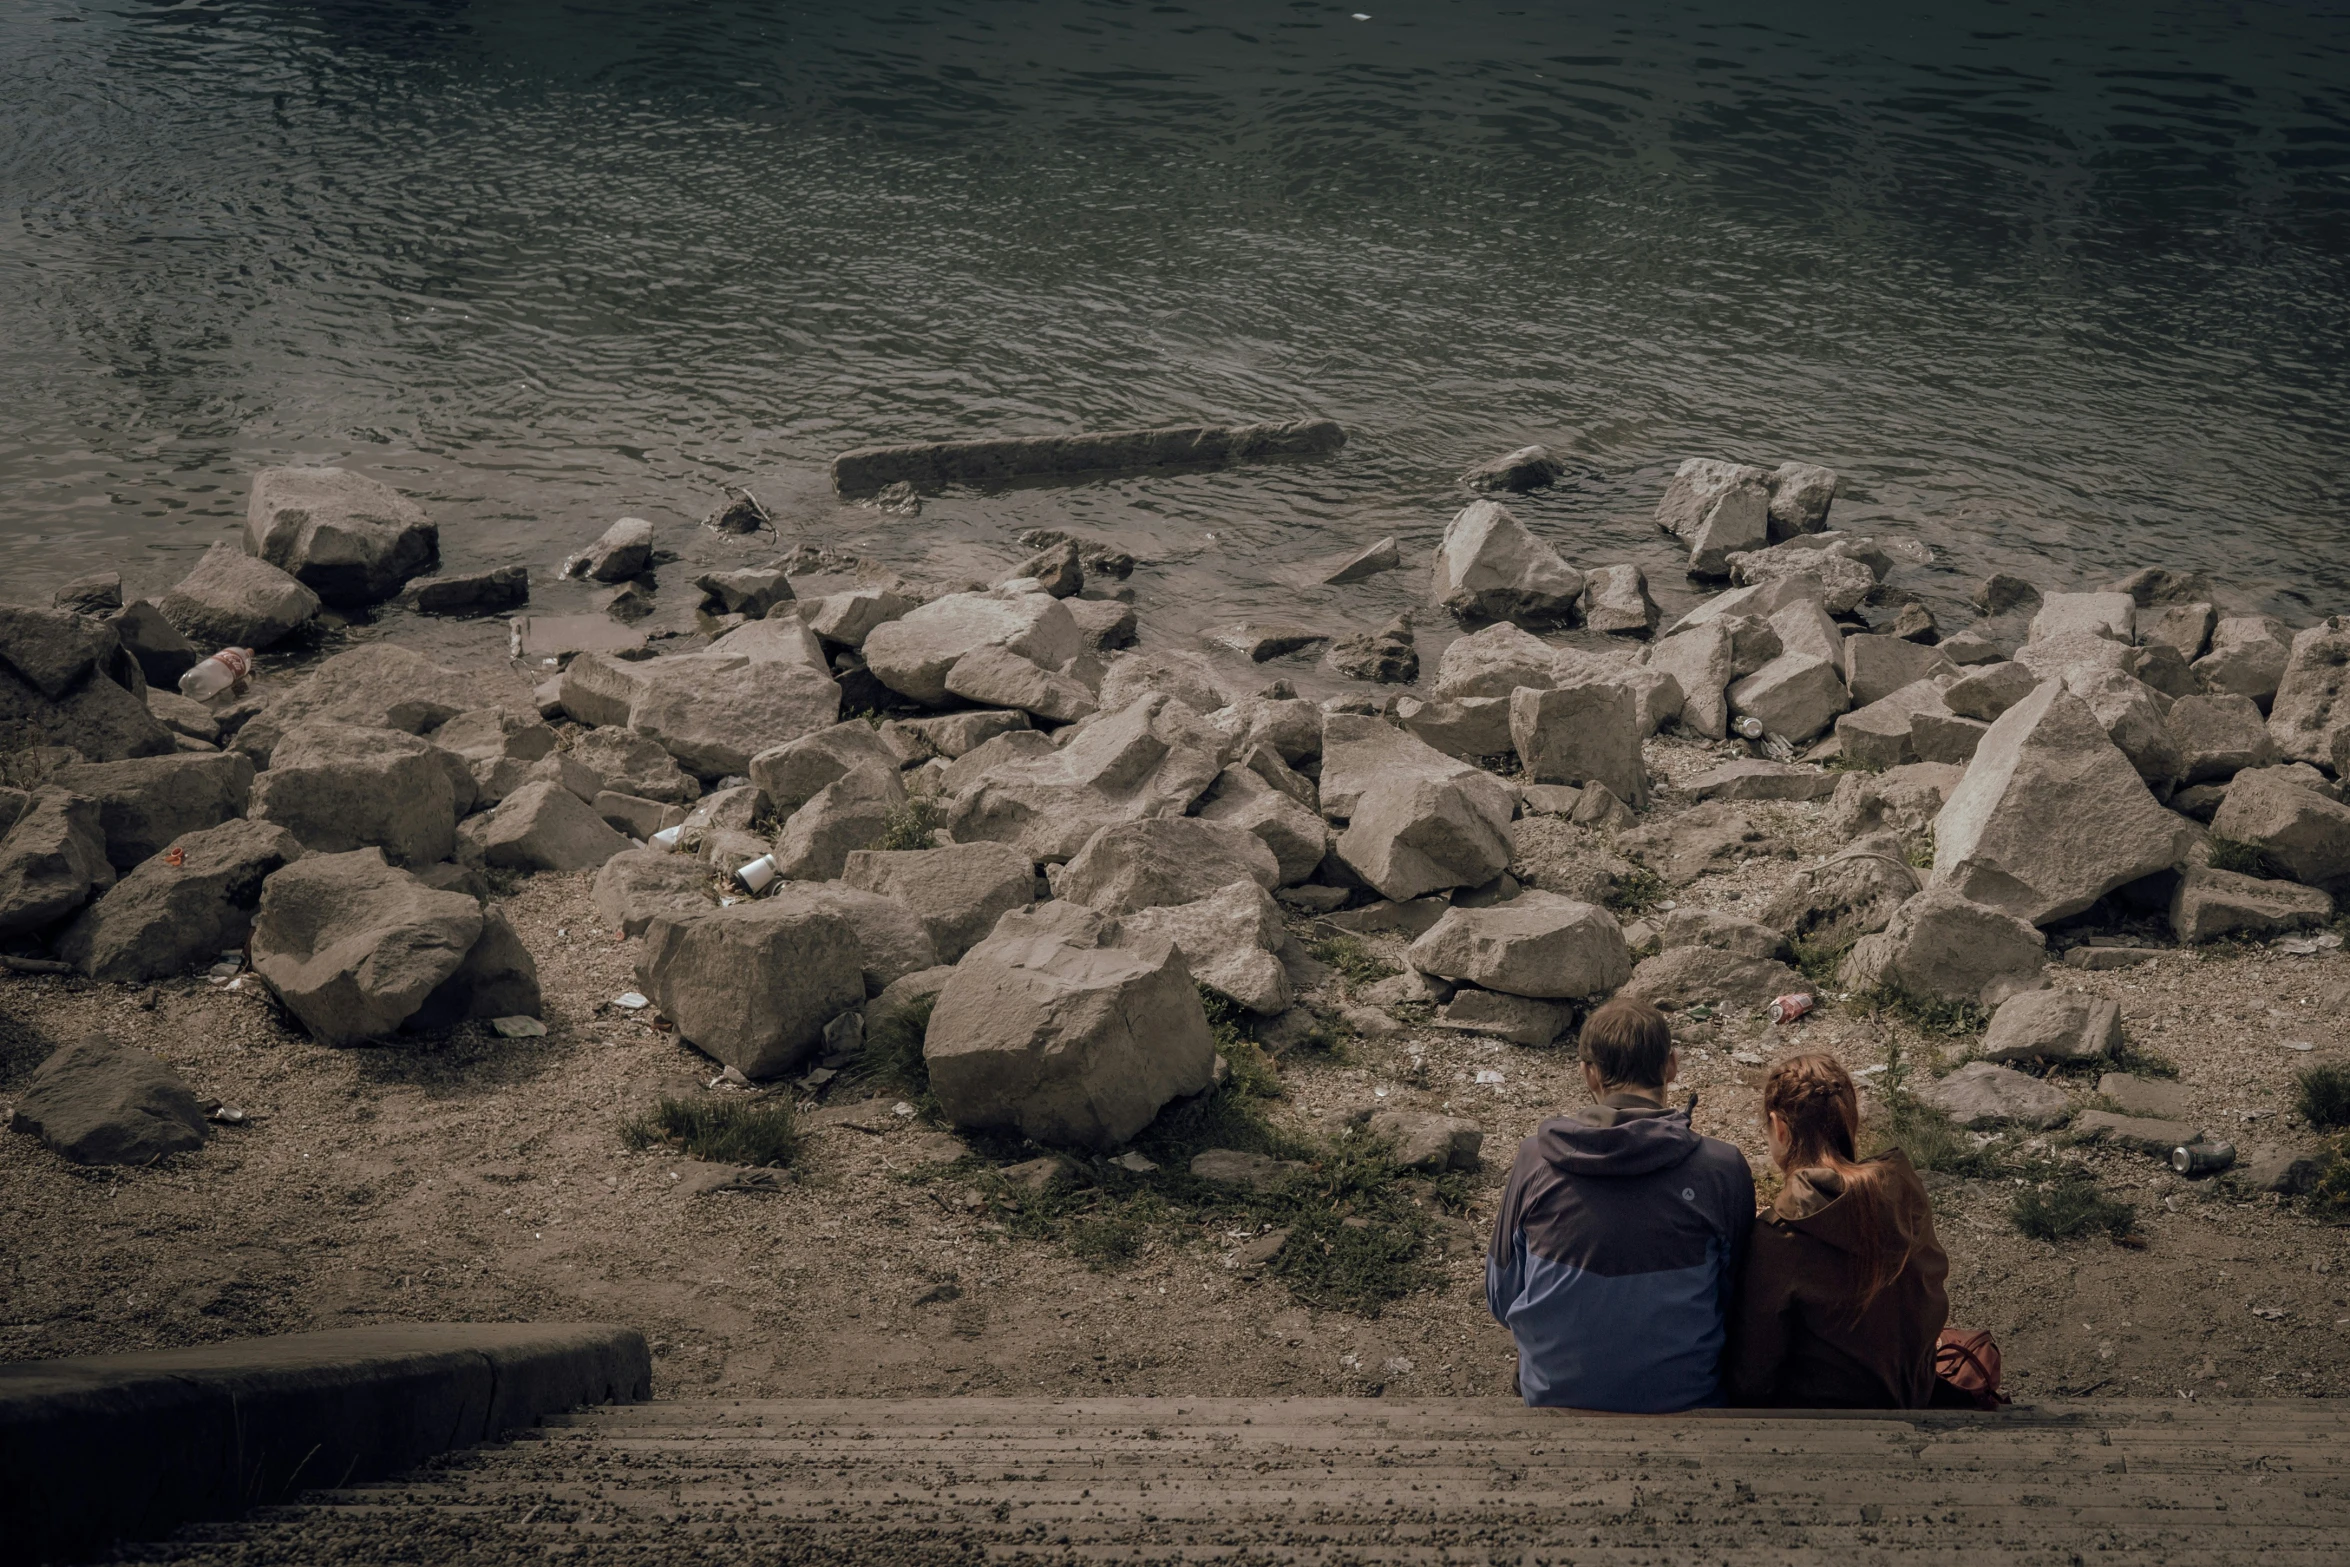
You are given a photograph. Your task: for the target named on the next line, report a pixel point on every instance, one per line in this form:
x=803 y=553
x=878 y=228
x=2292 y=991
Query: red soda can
x=1788 y=1008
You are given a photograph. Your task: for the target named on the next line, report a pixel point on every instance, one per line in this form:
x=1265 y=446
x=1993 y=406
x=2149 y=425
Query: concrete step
x=1343 y=1481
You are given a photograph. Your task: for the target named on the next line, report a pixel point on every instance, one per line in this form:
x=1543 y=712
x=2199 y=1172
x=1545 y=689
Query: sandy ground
x=475 y=1177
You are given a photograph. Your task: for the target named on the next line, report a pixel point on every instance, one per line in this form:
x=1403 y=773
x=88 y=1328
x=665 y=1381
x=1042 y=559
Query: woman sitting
x=1842 y=1298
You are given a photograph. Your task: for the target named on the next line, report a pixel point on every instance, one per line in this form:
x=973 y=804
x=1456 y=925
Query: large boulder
x=2312 y=704
x=1941 y=947
x=780 y=639
x=2217 y=737
x=500 y=747
x=1878 y=666
x=153 y=643
x=1718 y=509
x=892 y=940
x=339 y=787
x=2061 y=1027
x=52 y=861
x=998 y=677
x=1585 y=732
x=624 y=550
x=1616 y=602
x=1418 y=832
x=1701 y=660
x=1185 y=677
x=1986 y=1094
x=752 y=590
x=65 y=680
x=166 y=917
x=848 y=618
x=1527 y=468
x=792 y=774
x=143 y=804
x=1801 y=493
x=99 y=1102
x=1472 y=729
x=1884 y=734
x=2247 y=658
x=2300 y=831
x=629 y=763
x=2050 y=816
x=915 y=654
x=357 y=950
x=2208 y=904
x=2132 y=715
x=714 y=711
x=1489 y=567
x=949 y=735
x=344 y=536
x=1794 y=696
x=233 y=599
x=1165 y=860
x=1243 y=799
x=636 y=886
x=958 y=890
x=1229 y=939
x=2112 y=616
x=1047 y=1030
x=1855 y=893
x=1988 y=690
x=1682 y=977
x=754 y=985
x=1152 y=758
x=1838 y=566
x=1538 y=944
x=543 y=826
x=378 y=686
x=1494 y=662
x=851 y=813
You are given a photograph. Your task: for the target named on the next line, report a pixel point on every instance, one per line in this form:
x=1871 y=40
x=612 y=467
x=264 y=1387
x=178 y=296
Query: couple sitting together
x=1629 y=1263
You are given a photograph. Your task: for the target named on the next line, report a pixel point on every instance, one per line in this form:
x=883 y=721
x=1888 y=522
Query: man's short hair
x=1628 y=1041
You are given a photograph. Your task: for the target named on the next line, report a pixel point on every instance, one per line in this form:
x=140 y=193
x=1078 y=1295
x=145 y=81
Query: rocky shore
x=1108 y=879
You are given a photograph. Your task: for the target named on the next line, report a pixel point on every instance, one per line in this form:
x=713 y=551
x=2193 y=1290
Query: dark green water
x=2060 y=289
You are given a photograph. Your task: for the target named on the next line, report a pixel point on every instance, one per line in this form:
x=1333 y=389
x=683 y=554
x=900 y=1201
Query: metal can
x=1750 y=728
x=1788 y=1008
x=2191 y=1159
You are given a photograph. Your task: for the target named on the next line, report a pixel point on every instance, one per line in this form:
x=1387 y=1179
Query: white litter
x=2298 y=1044
x=1135 y=1162
x=901 y=1108
x=1486 y=1074
x=632 y=1001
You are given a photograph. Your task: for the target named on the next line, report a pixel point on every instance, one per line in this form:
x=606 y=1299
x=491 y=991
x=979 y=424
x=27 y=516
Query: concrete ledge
x=933 y=465
x=125 y=1446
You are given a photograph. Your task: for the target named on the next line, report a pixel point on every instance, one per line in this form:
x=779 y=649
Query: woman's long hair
x=1814 y=1096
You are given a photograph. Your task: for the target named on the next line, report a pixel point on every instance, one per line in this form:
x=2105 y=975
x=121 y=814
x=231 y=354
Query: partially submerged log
x=933 y=465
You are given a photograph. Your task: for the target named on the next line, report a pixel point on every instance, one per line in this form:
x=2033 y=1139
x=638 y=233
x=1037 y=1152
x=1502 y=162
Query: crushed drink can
x=2192 y=1159
x=1788 y=1008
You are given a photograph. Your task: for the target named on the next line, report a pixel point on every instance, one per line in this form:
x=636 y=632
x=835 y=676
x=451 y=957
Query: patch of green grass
x=727 y=1129
x=1934 y=1142
x=890 y=1059
x=2245 y=859
x=1843 y=762
x=1635 y=891
x=1930 y=1014
x=909 y=826
x=1350 y=957
x=2068 y=1205
x=2329 y=1195
x=1919 y=851
x=2322 y=1095
x=1821 y=961
x=1249 y=1070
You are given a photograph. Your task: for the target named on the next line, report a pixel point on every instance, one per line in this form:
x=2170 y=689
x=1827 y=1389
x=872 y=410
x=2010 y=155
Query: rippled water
x=2062 y=292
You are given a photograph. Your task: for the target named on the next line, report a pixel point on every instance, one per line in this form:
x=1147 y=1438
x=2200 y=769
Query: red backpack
x=1966 y=1370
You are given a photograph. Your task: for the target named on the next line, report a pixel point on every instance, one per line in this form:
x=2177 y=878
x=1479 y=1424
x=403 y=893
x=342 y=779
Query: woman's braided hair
x=1814 y=1098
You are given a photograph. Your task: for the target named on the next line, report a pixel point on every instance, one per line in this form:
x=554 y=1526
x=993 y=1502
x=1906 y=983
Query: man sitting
x=1620 y=1235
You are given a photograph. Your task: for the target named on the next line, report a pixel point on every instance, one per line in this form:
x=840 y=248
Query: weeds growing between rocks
x=1635 y=891
x=1819 y=962
x=1929 y=1014
x=909 y=826
x=889 y=1059
x=1352 y=959
x=2322 y=1094
x=729 y=1129
x=2245 y=859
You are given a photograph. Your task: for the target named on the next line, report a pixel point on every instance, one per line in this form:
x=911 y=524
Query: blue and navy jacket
x=1614 y=1256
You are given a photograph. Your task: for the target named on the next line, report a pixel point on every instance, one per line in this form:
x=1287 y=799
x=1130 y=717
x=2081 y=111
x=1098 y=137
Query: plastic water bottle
x=216 y=674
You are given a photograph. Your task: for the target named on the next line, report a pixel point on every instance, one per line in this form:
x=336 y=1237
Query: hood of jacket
x=1811 y=1203
x=1616 y=1140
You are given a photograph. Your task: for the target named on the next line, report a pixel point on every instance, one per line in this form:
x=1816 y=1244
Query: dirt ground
x=482 y=1178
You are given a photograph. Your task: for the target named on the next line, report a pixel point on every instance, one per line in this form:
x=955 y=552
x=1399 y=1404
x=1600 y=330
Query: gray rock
x=1527 y=468
x=2183 y=628
x=1806 y=627
x=625 y=550
x=792 y=774
x=1904 y=799
x=473 y=593
x=1421 y=1140
x=1228 y=939
x=2057 y=657
x=846 y=619
x=1243 y=800
x=2161 y=669
x=1682 y=977
x=96 y=595
x=2311 y=709
x=1999 y=593
x=99 y=1102
x=1711 y=928
x=1045 y=1030
x=2133 y=719
x=1055 y=568
x=2247 y=658
x=714 y=712
x=1988 y=690
x=1102 y=623
x=2138 y=1134
x=1709 y=837
x=1538 y=944
x=543 y=826
x=754 y=985
x=344 y=536
x=752 y=590
x=1762 y=600
x=1855 y=894
x=1801 y=493
x=904 y=993
x=1795 y=696
x=998 y=677
x=339 y=787
x=378 y=686
x=1972 y=647
x=145 y=803
x=1161 y=861
x=1150 y=759
x=2217 y=737
x=2051 y=815
x=2301 y=831
x=154 y=643
x=234 y=600
x=1495 y=662
x=891 y=937
x=1388 y=656
x=162 y=918
x=1616 y=601
x=2109 y=615
x=1884 y=734
x=355 y=949
x=636 y=886
x=1717 y=508
x=1752 y=778
x=1184 y=677
x=1472 y=728
x=2209 y=904
x=52 y=861
x=1521 y=1020
x=949 y=735
x=849 y=814
x=1875 y=667
x=182 y=716
x=914 y=654
x=1984 y=1094
x=2150 y=586
x=2274 y=1170
x=959 y=891
x=2145 y=1096
x=1588 y=732
x=1699 y=661
x=65 y=680
x=1363 y=564
x=1830 y=563
x=632 y=764
x=2064 y=1027
x=1940 y=947
x=1489 y=566
x=1418 y=831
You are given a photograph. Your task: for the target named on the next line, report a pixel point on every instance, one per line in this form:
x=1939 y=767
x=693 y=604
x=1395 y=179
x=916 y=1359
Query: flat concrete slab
x=112 y=1447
